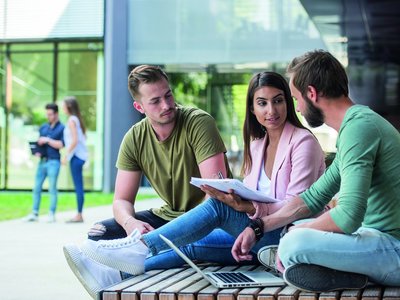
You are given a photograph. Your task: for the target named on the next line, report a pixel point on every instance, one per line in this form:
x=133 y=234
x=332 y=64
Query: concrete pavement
x=32 y=261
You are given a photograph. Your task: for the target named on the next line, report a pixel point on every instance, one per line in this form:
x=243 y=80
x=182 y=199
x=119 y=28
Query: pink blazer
x=299 y=162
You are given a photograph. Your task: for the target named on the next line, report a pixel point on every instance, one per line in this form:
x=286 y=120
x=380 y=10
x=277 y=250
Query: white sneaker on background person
x=51 y=218
x=32 y=217
x=93 y=276
x=127 y=254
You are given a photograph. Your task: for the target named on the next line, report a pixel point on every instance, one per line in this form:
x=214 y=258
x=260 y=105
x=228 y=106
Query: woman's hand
x=230 y=199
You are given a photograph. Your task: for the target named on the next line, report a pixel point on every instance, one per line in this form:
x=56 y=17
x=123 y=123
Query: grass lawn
x=15 y=205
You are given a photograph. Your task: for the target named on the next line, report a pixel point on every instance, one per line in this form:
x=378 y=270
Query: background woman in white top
x=77 y=154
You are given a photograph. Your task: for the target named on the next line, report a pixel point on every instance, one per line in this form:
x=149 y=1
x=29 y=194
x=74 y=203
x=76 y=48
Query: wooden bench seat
x=185 y=284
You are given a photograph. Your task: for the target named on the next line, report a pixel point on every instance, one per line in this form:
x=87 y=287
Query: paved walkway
x=32 y=261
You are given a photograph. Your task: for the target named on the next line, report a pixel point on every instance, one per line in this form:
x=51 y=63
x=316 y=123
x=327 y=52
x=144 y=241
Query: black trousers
x=112 y=230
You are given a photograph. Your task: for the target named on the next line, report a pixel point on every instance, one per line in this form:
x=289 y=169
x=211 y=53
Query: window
x=41 y=73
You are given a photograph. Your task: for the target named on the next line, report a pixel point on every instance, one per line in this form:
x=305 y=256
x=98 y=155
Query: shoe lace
x=126 y=241
x=272 y=257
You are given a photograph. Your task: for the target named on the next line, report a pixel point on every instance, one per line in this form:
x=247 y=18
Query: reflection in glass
x=32 y=80
x=78 y=76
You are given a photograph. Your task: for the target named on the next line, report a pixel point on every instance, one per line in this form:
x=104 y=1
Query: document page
x=233 y=184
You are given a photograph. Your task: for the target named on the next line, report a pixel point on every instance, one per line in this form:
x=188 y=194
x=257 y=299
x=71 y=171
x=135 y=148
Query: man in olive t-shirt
x=169 y=164
x=169 y=146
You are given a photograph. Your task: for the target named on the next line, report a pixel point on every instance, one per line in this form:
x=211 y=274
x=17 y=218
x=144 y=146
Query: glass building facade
x=210 y=49
x=49 y=50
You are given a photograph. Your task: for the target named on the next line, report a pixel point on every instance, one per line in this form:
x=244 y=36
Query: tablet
x=35 y=148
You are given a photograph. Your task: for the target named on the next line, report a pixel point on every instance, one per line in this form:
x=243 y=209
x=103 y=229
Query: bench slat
x=210 y=292
x=231 y=294
x=228 y=294
x=308 y=296
x=351 y=294
x=329 y=296
x=249 y=293
x=372 y=293
x=151 y=292
x=170 y=293
x=190 y=293
x=112 y=292
x=133 y=292
x=391 y=293
x=269 y=293
x=288 y=293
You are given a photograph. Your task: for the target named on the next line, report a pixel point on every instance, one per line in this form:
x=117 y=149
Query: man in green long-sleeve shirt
x=359 y=239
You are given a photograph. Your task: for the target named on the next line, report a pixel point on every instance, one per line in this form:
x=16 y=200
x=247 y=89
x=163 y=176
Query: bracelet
x=127 y=220
x=258 y=227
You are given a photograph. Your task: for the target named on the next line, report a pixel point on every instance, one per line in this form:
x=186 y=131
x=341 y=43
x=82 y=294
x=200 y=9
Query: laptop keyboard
x=232 y=277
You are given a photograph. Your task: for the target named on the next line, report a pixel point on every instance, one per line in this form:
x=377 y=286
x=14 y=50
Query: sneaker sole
x=318 y=279
x=112 y=263
x=81 y=273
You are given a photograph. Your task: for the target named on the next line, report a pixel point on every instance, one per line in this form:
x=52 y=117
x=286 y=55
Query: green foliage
x=189 y=88
x=223 y=95
x=39 y=117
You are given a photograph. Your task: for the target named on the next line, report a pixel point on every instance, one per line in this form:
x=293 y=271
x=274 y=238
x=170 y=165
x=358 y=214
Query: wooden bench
x=185 y=284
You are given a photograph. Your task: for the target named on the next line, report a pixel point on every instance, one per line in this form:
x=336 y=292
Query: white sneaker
x=93 y=276
x=32 y=218
x=267 y=256
x=126 y=254
x=51 y=218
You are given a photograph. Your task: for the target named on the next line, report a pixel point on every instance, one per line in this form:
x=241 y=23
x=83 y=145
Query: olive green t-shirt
x=366 y=170
x=169 y=165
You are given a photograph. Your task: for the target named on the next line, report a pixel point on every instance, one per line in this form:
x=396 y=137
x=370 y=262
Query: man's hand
x=230 y=199
x=132 y=224
x=243 y=244
x=43 y=140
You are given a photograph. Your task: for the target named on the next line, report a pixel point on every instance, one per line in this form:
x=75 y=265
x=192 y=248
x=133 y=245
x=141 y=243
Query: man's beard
x=313 y=115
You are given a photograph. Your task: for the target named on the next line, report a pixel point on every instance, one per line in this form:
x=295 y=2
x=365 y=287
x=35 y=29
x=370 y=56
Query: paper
x=236 y=185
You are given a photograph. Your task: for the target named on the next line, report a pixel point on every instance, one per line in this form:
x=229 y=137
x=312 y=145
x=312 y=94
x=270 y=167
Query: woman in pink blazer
x=298 y=162
x=281 y=158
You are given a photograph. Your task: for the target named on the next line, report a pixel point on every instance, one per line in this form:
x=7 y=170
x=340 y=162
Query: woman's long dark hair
x=252 y=129
x=73 y=109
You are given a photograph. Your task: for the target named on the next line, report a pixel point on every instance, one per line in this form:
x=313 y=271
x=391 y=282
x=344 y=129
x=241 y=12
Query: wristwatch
x=258 y=227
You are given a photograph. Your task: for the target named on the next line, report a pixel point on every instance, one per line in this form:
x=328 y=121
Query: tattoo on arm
x=301 y=211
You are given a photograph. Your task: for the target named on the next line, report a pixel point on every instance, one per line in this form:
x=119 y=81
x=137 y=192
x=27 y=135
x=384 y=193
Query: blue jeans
x=206 y=233
x=76 y=165
x=49 y=169
x=367 y=251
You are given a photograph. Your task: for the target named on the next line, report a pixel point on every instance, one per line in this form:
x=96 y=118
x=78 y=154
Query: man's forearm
x=294 y=210
x=123 y=210
x=324 y=223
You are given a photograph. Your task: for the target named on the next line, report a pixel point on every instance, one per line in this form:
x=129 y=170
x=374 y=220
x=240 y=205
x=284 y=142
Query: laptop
x=231 y=278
